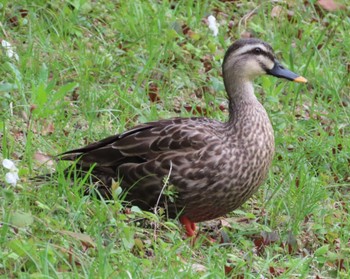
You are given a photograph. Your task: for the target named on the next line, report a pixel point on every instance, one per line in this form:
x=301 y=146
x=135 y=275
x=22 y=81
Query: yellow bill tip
x=300 y=79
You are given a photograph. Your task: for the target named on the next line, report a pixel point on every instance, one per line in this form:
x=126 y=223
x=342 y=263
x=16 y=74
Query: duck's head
x=248 y=58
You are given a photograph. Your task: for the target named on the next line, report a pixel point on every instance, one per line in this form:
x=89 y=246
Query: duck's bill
x=279 y=71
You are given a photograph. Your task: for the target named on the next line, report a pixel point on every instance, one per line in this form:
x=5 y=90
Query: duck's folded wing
x=142 y=143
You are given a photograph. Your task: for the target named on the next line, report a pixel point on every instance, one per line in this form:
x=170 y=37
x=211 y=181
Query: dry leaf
x=153 y=93
x=13 y=21
x=85 y=239
x=185 y=29
x=196 y=110
x=330 y=5
x=225 y=224
x=199 y=268
x=223 y=107
x=48 y=129
x=43 y=159
x=265 y=239
x=276 y=271
x=206 y=60
x=23 y=13
x=276 y=11
x=246 y=35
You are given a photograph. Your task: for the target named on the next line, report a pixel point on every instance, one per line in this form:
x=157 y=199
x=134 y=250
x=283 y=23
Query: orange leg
x=190 y=227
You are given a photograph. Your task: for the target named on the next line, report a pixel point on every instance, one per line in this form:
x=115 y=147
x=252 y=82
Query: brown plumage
x=212 y=167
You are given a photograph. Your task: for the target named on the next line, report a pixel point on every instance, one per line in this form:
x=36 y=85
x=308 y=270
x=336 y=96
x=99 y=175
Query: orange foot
x=190 y=227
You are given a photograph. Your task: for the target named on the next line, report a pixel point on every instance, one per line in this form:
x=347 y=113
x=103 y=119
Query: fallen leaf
x=75 y=94
x=223 y=107
x=290 y=15
x=225 y=224
x=300 y=33
x=85 y=239
x=32 y=108
x=228 y=269
x=43 y=159
x=206 y=60
x=185 y=29
x=153 y=93
x=48 y=129
x=330 y=5
x=276 y=11
x=195 y=110
x=246 y=35
x=276 y=271
x=13 y=21
x=265 y=238
x=198 y=267
x=193 y=35
x=340 y=264
x=23 y=13
x=231 y=24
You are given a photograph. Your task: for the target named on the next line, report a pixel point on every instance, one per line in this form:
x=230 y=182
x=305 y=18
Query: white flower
x=10 y=52
x=12 y=176
x=213 y=26
x=8 y=164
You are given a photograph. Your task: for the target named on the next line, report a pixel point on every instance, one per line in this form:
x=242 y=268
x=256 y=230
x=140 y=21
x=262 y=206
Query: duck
x=196 y=168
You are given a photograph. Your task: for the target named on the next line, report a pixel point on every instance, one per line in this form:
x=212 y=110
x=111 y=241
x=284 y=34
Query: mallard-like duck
x=211 y=167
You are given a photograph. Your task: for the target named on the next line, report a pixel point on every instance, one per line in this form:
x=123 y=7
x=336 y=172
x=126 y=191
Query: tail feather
x=96 y=180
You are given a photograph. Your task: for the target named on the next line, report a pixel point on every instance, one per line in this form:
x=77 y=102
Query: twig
x=166 y=182
x=3 y=30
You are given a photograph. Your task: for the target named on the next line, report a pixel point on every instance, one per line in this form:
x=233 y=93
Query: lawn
x=89 y=69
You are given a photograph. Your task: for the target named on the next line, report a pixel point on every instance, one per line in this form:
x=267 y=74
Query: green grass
x=85 y=71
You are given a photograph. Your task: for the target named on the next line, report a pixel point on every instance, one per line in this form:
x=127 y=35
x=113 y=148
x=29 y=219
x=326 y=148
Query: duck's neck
x=241 y=95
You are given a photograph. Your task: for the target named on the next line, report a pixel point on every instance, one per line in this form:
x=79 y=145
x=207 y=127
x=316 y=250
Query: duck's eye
x=257 y=50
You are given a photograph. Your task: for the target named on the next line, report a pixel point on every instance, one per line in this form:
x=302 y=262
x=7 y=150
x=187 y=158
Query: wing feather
x=144 y=142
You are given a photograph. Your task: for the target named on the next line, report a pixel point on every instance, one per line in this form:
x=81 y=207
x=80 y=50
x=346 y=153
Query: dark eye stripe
x=267 y=54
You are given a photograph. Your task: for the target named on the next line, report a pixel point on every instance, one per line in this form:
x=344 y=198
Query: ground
x=89 y=69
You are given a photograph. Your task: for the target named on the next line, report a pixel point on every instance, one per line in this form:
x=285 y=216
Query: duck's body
x=211 y=167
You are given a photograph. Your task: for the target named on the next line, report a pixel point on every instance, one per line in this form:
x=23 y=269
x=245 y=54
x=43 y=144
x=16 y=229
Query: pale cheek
x=254 y=69
x=270 y=65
